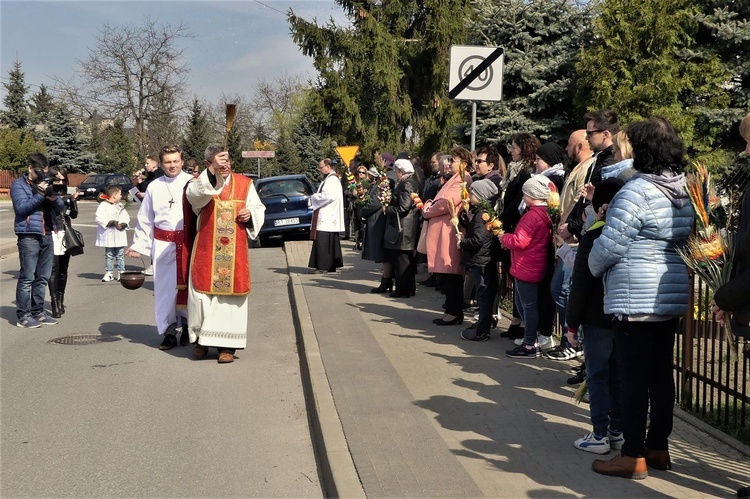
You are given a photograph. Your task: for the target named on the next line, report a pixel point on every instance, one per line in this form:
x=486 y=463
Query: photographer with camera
x=36 y=206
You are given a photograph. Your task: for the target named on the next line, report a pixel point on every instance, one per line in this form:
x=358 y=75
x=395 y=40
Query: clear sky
x=237 y=42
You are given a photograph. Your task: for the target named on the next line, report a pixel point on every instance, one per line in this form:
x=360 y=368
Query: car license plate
x=285 y=221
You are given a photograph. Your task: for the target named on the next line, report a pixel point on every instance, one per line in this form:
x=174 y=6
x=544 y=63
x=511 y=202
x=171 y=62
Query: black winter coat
x=734 y=295
x=402 y=206
x=476 y=246
x=575 y=219
x=512 y=200
x=372 y=247
x=70 y=211
x=586 y=298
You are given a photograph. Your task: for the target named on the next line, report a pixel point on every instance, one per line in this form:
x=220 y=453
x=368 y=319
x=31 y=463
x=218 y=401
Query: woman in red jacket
x=529 y=246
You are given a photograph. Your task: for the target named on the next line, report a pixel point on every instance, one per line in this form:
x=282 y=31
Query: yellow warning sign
x=347 y=153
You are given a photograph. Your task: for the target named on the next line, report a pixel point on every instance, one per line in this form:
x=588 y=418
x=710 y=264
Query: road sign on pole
x=347 y=153
x=476 y=73
x=258 y=154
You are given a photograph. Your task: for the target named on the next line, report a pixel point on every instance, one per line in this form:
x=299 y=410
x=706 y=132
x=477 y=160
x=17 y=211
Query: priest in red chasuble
x=228 y=211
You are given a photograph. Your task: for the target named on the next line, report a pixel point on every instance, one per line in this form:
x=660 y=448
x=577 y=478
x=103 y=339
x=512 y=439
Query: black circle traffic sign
x=467 y=66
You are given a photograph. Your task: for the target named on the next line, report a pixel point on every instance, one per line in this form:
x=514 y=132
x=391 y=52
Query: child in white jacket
x=111 y=222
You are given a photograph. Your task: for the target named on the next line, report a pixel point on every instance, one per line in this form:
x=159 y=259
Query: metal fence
x=710 y=383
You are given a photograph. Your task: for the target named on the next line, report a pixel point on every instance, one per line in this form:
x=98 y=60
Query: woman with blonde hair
x=623 y=155
x=443 y=253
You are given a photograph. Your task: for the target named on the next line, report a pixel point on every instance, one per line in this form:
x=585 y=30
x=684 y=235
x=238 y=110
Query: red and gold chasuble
x=220 y=263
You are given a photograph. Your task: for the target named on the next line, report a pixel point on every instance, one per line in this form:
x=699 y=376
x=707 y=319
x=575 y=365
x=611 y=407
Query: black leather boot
x=55 y=306
x=61 y=302
x=386 y=284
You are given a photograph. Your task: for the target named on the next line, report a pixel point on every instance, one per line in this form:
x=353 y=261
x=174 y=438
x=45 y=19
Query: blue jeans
x=35 y=253
x=112 y=254
x=603 y=379
x=527 y=301
x=560 y=287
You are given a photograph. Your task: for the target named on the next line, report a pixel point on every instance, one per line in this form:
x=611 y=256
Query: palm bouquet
x=553 y=208
x=490 y=218
x=384 y=186
x=709 y=252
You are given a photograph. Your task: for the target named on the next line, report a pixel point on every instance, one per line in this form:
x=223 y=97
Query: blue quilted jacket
x=643 y=273
x=28 y=206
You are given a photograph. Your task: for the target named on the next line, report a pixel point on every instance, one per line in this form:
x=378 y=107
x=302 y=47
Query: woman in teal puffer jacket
x=646 y=290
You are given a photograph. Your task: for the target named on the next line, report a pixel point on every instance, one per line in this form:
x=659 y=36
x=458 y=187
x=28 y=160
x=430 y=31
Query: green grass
x=712 y=417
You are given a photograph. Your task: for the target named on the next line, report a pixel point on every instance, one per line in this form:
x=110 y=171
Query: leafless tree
x=277 y=103
x=129 y=69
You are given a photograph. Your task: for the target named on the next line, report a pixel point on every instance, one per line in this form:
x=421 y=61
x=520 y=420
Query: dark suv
x=287 y=202
x=94 y=185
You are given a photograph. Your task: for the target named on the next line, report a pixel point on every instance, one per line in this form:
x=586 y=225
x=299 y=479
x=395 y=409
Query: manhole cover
x=84 y=339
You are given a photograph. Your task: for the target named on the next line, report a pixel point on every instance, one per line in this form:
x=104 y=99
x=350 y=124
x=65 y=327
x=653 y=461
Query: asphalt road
x=120 y=418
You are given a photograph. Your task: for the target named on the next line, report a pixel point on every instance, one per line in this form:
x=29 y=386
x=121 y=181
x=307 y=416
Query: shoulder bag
x=73 y=240
x=392 y=234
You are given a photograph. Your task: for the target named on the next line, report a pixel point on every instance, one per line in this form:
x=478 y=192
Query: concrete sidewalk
x=411 y=410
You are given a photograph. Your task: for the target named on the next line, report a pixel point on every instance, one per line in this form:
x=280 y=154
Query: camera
x=52 y=188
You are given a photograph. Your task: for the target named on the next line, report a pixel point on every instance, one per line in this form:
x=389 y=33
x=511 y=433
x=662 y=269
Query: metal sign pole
x=473 y=124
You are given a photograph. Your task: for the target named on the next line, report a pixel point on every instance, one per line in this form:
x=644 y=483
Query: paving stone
x=423 y=410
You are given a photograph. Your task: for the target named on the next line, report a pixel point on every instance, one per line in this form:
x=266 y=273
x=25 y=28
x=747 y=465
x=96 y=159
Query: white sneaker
x=615 y=440
x=592 y=443
x=547 y=343
x=108 y=277
x=149 y=270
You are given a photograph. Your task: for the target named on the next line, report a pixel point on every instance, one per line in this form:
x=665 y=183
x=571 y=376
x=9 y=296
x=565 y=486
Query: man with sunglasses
x=601 y=126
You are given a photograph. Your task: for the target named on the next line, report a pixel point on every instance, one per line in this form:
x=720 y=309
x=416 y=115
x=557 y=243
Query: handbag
x=422 y=243
x=392 y=234
x=73 y=241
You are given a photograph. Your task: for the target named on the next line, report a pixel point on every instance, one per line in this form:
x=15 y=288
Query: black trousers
x=644 y=354
x=58 y=280
x=404 y=270
x=454 y=293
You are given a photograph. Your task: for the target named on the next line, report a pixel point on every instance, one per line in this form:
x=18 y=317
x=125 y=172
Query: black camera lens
x=56 y=190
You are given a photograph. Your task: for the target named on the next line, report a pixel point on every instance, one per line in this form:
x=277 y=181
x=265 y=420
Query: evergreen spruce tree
x=198 y=134
x=234 y=146
x=97 y=141
x=16 y=113
x=287 y=158
x=65 y=146
x=641 y=65
x=41 y=104
x=308 y=143
x=724 y=32
x=119 y=157
x=381 y=81
x=541 y=42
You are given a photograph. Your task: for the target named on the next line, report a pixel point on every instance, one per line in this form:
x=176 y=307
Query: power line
x=272 y=8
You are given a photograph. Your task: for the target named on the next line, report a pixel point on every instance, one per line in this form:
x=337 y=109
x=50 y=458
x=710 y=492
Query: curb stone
x=339 y=475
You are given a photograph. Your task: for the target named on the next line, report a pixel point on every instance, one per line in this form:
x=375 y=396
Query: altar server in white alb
x=159 y=234
x=228 y=211
x=328 y=222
